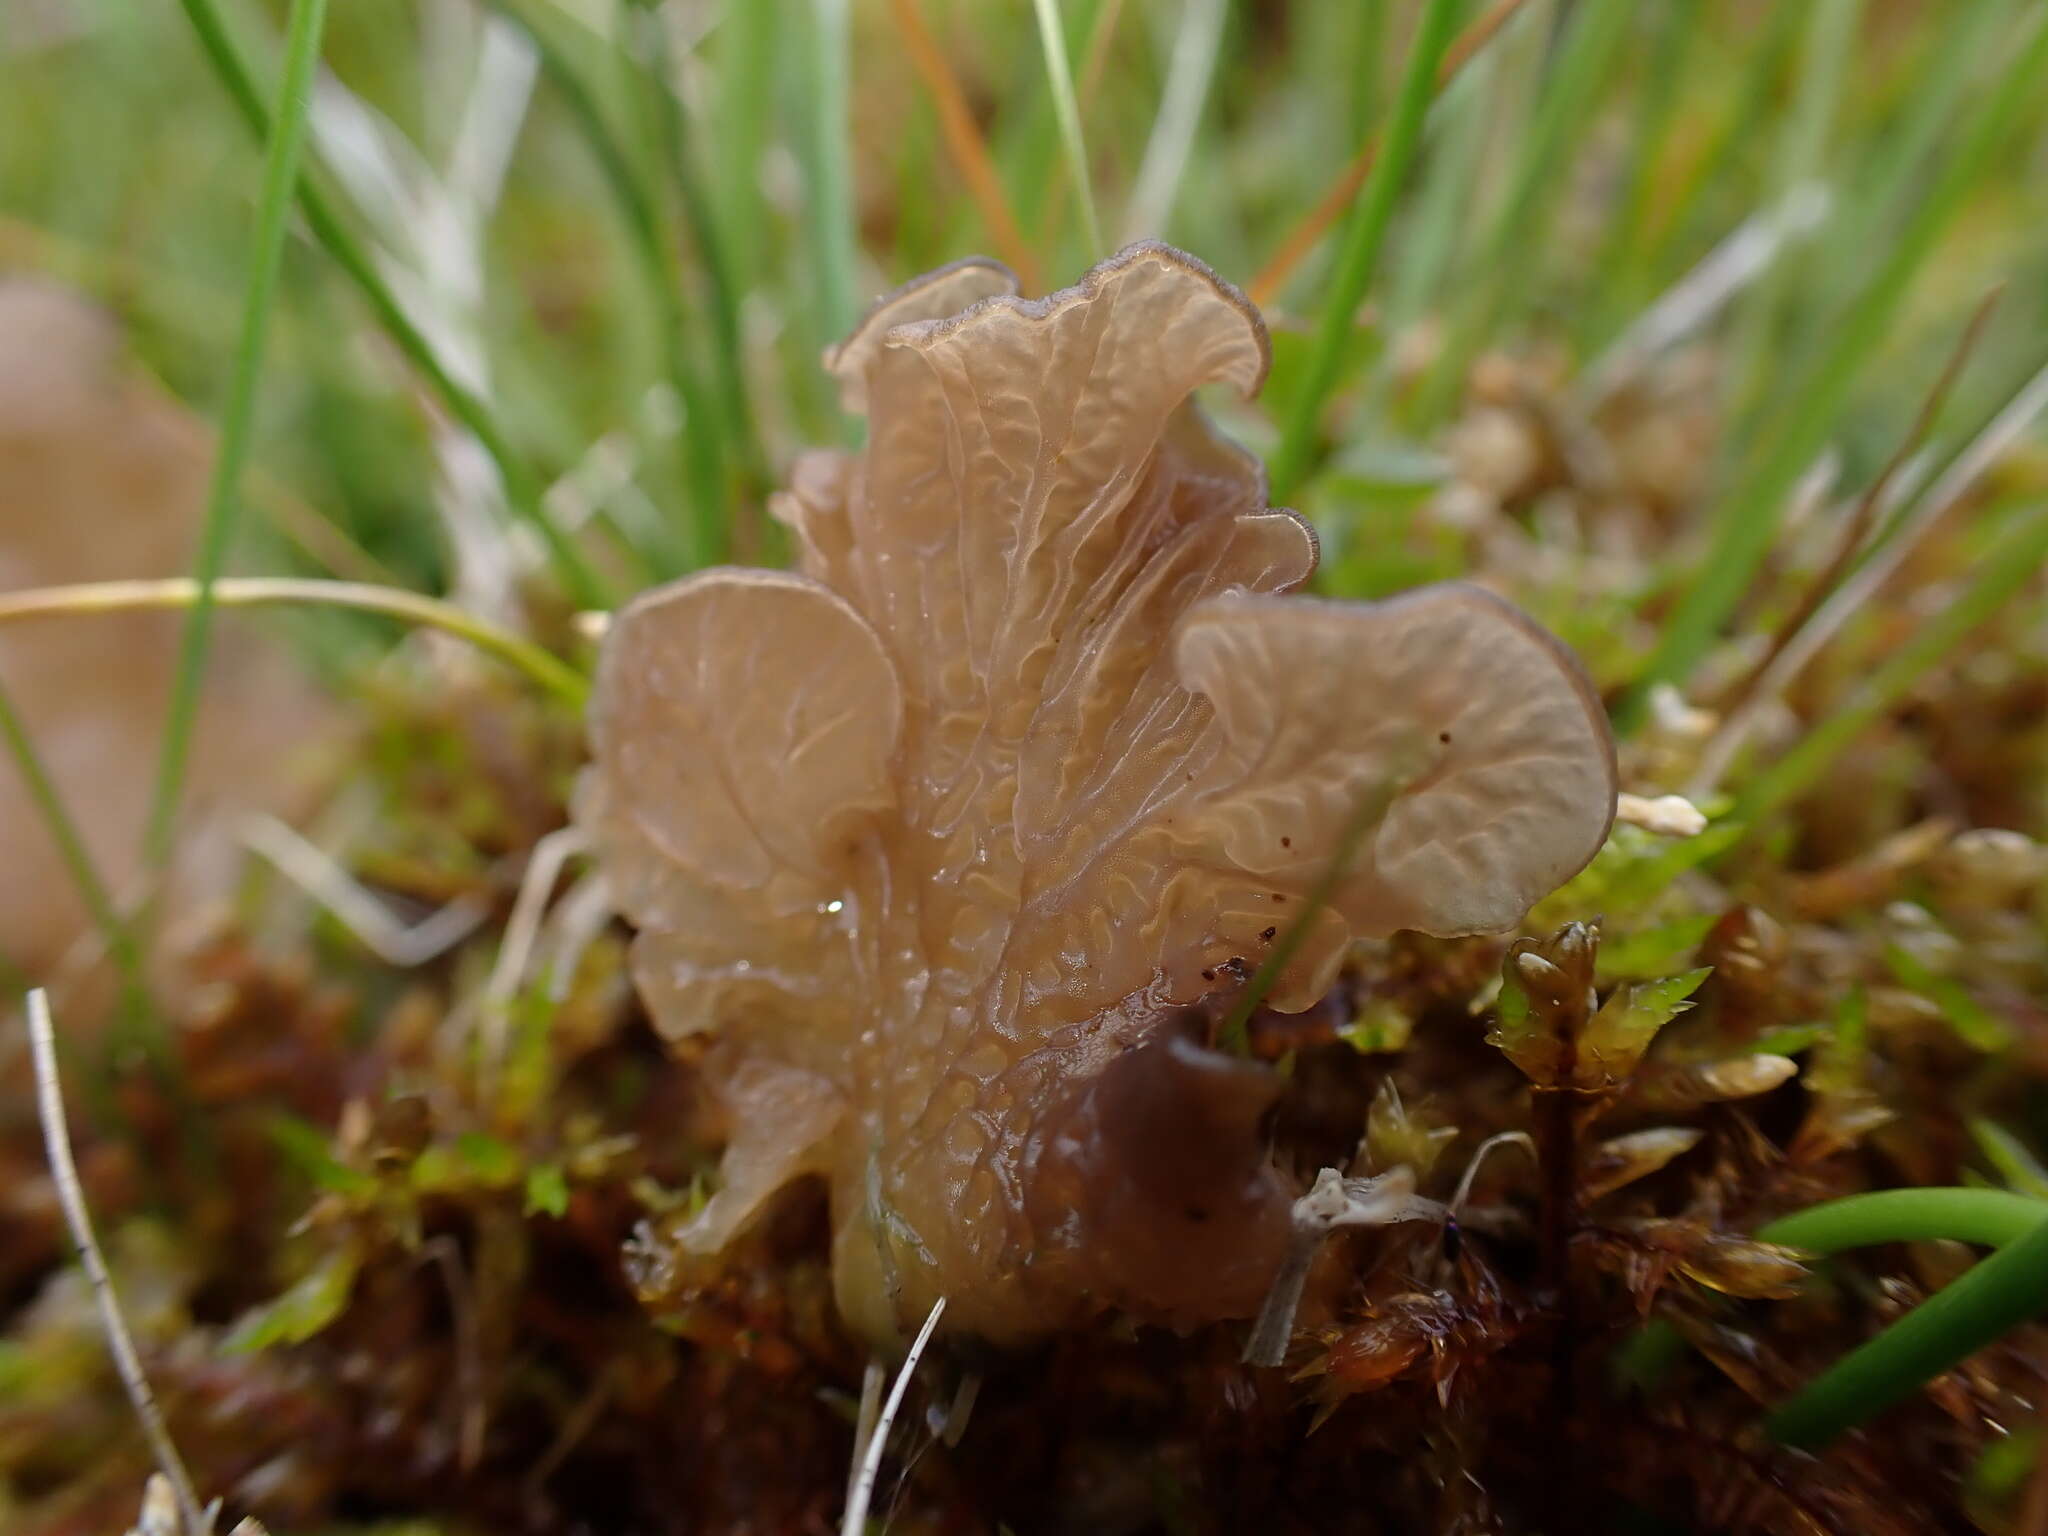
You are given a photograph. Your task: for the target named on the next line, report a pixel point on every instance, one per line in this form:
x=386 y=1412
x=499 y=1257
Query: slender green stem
x=1991 y=1216
x=1751 y=507
x=2001 y=1292
x=644 y=54
x=1371 y=810
x=522 y=490
x=700 y=218
x=560 y=679
x=78 y=861
x=830 y=169
x=1066 y=108
x=746 y=42
x=280 y=176
x=1364 y=233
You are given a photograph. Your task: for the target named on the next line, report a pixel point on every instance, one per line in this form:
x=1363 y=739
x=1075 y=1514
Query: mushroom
x=102 y=476
x=943 y=837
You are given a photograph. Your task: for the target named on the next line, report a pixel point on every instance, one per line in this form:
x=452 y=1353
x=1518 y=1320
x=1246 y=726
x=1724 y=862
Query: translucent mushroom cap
x=1032 y=751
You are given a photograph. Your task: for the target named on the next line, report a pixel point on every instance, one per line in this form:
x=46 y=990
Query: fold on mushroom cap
x=1051 y=749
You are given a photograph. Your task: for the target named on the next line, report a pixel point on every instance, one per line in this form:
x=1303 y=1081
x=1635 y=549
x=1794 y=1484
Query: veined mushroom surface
x=942 y=835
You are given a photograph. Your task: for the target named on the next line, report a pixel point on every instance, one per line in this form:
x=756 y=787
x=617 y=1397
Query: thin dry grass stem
x=952 y=1424
x=871 y=1454
x=1866 y=508
x=1322 y=218
x=71 y=1197
x=577 y=1426
x=1484 y=1150
x=466 y=1390
x=180 y=592
x=391 y=941
x=1705 y=290
x=964 y=142
x=522 y=929
x=1333 y=1201
x=1094 y=61
x=1857 y=589
x=1864 y=517
x=579 y=918
x=872 y=1382
x=1188 y=79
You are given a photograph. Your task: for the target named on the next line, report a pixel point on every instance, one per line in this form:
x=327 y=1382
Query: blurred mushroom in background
x=103 y=478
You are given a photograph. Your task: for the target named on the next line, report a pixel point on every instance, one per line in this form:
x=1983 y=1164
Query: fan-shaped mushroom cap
x=943 y=835
x=1491 y=739
x=937 y=295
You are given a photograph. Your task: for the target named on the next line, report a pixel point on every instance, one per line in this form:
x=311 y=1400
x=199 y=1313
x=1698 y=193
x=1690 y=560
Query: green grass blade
x=280 y=177
x=2001 y=1292
x=1940 y=77
x=1358 y=256
x=700 y=218
x=1234 y=1035
x=2005 y=1152
x=1752 y=506
x=522 y=489
x=828 y=149
x=1053 y=39
x=1990 y=1216
x=78 y=861
x=1367 y=50
x=746 y=93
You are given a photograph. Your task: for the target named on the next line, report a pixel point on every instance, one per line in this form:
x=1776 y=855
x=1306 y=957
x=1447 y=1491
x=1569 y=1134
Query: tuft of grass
x=2002 y=573
x=522 y=488
x=1304 y=237
x=1815 y=394
x=280 y=176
